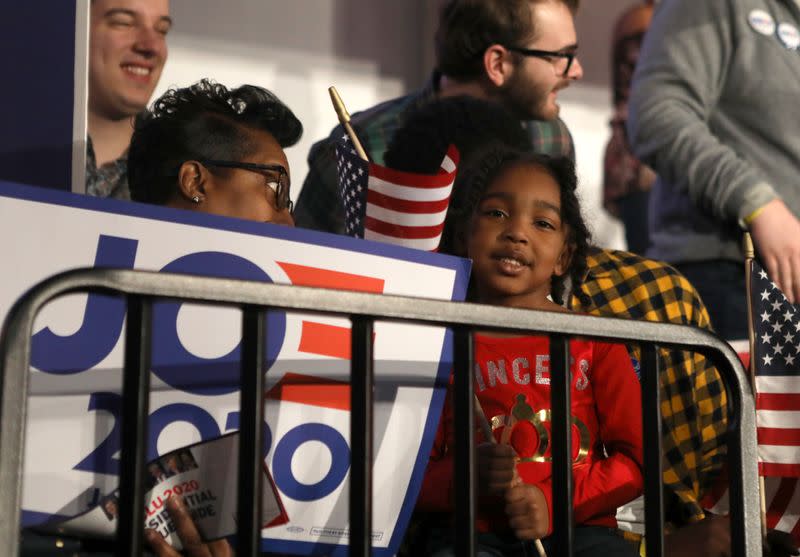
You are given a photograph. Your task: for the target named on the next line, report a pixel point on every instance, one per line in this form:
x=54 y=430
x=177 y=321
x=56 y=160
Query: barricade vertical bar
x=15 y=359
x=135 y=405
x=651 y=431
x=361 y=383
x=739 y=534
x=561 y=427
x=464 y=460
x=251 y=431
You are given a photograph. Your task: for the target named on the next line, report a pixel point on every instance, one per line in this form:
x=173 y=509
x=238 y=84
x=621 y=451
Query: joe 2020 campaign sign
x=72 y=448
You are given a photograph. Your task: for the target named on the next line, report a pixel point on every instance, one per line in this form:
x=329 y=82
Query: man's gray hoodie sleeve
x=675 y=124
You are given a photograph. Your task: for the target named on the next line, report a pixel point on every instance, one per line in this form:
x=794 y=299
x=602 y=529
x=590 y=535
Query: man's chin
x=549 y=112
x=134 y=103
x=120 y=109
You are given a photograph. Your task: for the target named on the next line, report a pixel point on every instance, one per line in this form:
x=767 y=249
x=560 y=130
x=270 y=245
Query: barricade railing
x=141 y=288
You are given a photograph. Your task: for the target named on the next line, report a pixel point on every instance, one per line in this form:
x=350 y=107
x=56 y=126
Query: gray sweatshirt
x=715 y=110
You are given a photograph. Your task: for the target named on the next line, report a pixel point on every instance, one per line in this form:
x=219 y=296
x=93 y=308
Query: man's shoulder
x=368 y=122
x=618 y=266
x=645 y=288
x=551 y=137
x=606 y=260
x=376 y=116
x=382 y=112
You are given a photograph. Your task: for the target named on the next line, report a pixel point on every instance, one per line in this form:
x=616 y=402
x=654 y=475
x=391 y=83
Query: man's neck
x=449 y=87
x=110 y=138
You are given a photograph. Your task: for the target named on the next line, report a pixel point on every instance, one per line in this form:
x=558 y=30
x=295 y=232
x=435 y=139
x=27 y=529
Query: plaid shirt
x=318 y=206
x=110 y=180
x=693 y=399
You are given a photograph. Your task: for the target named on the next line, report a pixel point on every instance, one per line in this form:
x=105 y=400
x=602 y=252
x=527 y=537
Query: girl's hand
x=527 y=511
x=193 y=545
x=496 y=468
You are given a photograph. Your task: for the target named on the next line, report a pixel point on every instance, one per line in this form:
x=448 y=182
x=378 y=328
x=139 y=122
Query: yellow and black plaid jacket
x=693 y=400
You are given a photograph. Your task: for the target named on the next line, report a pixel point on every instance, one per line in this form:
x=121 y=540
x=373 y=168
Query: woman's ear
x=192 y=178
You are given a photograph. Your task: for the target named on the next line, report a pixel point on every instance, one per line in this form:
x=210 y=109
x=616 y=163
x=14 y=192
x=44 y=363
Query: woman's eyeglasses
x=276 y=176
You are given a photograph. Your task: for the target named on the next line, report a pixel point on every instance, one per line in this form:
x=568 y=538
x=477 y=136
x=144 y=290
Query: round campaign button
x=789 y=36
x=761 y=22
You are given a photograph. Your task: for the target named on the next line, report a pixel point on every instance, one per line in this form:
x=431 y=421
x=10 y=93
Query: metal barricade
x=255 y=298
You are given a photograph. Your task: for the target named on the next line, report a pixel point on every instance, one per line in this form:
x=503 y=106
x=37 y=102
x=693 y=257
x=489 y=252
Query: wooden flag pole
x=486 y=428
x=749 y=255
x=344 y=119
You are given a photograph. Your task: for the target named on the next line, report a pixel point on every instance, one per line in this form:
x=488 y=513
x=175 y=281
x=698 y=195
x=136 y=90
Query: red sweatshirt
x=512 y=382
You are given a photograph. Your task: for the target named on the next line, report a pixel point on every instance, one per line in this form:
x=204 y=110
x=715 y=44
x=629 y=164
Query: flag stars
x=778 y=348
x=776 y=305
x=351 y=174
x=765 y=295
x=765 y=316
x=788 y=337
x=767 y=359
x=787 y=316
x=776 y=327
x=789 y=359
x=766 y=338
x=763 y=274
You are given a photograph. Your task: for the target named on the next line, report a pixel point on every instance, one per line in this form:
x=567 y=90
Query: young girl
x=518 y=218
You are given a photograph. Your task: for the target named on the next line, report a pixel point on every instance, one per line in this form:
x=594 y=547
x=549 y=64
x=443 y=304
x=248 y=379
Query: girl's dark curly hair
x=203 y=121
x=471 y=185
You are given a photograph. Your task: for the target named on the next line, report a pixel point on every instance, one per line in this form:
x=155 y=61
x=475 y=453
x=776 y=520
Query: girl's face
x=516 y=238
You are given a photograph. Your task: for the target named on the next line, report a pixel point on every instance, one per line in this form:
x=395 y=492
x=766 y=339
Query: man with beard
x=519 y=53
x=127 y=51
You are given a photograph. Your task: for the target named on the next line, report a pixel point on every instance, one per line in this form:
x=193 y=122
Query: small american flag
x=390 y=206
x=776 y=361
x=782 y=499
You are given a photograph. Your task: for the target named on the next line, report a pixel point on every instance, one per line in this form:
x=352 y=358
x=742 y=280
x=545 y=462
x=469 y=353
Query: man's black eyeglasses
x=547 y=55
x=276 y=176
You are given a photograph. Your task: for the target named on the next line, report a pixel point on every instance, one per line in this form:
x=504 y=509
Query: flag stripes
x=387 y=202
x=776 y=364
x=395 y=207
x=408 y=219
